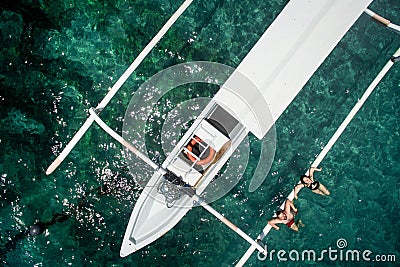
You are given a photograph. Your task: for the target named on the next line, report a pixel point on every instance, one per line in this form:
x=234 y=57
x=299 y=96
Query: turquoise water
x=58 y=59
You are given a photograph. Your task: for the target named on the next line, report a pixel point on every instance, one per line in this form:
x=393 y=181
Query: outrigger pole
x=118 y=85
x=332 y=141
x=190 y=191
x=382 y=20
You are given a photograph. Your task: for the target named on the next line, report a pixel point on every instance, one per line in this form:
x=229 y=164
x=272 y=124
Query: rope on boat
x=170 y=191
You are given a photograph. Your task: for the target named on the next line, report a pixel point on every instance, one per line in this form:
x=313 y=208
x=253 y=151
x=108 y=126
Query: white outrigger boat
x=250 y=100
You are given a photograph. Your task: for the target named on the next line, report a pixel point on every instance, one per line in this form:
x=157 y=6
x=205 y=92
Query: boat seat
x=208 y=134
x=211 y=135
x=182 y=169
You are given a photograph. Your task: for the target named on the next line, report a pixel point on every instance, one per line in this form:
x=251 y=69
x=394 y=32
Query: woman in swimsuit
x=314 y=186
x=286 y=216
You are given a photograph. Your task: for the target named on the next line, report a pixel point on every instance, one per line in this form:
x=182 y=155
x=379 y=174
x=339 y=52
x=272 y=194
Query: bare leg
x=324 y=190
x=319 y=192
x=300 y=223
x=294 y=227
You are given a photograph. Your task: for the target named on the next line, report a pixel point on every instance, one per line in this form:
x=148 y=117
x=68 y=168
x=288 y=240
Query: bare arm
x=312 y=170
x=297 y=189
x=289 y=205
x=273 y=223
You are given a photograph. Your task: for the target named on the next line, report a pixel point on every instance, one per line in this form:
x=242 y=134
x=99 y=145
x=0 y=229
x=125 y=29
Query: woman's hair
x=302 y=178
x=278 y=212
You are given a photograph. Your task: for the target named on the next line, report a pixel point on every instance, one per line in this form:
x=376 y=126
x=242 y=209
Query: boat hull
x=163 y=203
x=151 y=218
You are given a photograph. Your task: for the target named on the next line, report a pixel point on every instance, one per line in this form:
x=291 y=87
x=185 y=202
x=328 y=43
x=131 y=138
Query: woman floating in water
x=308 y=181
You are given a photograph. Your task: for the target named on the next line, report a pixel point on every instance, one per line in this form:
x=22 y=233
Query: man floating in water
x=286 y=216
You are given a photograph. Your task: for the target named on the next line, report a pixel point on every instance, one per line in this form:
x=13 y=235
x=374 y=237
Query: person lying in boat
x=309 y=182
x=286 y=216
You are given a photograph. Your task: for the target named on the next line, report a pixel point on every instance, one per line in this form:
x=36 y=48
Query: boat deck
x=210 y=135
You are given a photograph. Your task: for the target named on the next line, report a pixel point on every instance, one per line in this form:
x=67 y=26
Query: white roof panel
x=285 y=58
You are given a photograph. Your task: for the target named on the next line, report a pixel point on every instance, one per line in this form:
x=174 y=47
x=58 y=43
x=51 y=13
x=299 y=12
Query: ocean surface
x=59 y=58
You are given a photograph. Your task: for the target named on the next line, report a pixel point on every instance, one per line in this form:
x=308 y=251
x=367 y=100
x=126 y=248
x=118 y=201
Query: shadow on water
x=40 y=227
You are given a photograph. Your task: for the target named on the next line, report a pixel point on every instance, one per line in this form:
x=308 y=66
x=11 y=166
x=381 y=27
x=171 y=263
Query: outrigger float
x=265 y=82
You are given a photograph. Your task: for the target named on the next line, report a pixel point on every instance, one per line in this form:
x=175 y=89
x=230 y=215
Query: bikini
x=313 y=186
x=289 y=224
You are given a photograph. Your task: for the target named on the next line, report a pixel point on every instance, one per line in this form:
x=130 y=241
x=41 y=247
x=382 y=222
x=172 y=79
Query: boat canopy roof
x=291 y=50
